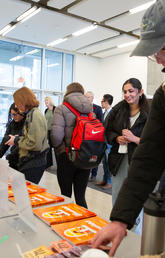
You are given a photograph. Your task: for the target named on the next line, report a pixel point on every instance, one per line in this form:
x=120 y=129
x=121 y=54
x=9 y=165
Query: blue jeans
x=94 y=171
x=107 y=173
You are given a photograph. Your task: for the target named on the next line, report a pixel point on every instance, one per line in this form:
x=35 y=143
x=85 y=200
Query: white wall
x=87 y=72
x=115 y=70
x=107 y=75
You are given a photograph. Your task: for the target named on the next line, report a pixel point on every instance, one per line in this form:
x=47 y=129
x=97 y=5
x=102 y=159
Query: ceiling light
x=26 y=13
x=30 y=15
x=33 y=52
x=92 y=27
x=16 y=58
x=53 y=65
x=142 y=7
x=129 y=44
x=56 y=42
x=8 y=30
x=5 y=28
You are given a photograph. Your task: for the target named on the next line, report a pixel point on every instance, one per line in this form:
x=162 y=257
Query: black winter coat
x=147 y=165
x=114 y=129
x=14 y=128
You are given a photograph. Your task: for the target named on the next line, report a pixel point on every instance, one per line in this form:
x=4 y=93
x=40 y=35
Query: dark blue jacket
x=98 y=111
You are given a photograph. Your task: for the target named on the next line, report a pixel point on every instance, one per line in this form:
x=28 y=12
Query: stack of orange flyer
x=39 y=252
x=31 y=189
x=44 y=198
x=63 y=213
x=80 y=232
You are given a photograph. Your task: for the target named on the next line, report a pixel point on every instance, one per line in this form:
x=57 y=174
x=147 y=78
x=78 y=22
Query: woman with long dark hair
x=14 y=126
x=123 y=132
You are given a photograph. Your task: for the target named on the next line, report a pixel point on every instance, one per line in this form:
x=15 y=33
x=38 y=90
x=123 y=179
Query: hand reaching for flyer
x=113 y=232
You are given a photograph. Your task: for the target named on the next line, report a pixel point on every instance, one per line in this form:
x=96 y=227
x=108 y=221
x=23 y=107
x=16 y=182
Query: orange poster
x=31 y=189
x=44 y=198
x=81 y=231
x=63 y=213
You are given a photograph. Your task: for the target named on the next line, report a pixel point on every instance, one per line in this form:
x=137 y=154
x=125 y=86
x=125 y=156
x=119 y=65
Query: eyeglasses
x=103 y=101
x=14 y=115
x=158 y=55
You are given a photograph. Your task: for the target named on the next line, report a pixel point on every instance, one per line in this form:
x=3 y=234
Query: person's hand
x=122 y=140
x=113 y=232
x=130 y=136
x=11 y=141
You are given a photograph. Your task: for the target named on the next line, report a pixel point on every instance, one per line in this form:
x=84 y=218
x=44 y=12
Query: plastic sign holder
x=24 y=222
x=4 y=207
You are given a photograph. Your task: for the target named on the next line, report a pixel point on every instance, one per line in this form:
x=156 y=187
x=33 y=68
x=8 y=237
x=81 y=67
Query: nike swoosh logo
x=95 y=132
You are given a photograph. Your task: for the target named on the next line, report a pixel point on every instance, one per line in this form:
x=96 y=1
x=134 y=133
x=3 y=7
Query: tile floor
x=98 y=202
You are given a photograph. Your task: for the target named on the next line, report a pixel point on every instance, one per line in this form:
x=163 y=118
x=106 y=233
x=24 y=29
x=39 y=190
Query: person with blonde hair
x=33 y=146
x=49 y=115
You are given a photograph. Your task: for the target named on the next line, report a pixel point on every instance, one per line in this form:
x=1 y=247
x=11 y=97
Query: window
x=6 y=99
x=20 y=65
x=53 y=70
x=68 y=69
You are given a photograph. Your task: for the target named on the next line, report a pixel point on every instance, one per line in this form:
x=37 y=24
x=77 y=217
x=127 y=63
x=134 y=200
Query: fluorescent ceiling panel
x=46 y=27
x=59 y=4
x=10 y=10
x=101 y=10
x=87 y=38
x=107 y=44
x=127 y=22
x=114 y=51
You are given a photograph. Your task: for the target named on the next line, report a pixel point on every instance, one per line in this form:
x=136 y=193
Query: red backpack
x=87 y=145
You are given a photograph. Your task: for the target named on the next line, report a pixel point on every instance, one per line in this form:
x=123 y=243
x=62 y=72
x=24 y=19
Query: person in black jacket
x=148 y=162
x=14 y=126
x=98 y=112
x=49 y=115
x=125 y=126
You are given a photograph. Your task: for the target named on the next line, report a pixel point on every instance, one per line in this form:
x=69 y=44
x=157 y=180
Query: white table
x=129 y=248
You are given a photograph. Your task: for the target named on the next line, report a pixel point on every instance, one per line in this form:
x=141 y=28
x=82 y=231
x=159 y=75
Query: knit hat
x=152 y=38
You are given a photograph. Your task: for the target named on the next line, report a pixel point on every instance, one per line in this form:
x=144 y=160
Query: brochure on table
x=24 y=222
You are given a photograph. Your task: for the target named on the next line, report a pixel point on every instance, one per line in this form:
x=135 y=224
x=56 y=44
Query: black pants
x=49 y=154
x=68 y=175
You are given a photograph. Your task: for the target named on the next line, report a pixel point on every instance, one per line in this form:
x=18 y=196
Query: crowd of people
x=134 y=159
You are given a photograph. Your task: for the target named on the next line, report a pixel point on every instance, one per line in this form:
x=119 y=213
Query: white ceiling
x=60 y=18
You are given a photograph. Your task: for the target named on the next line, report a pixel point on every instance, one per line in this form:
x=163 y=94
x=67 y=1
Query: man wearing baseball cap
x=148 y=162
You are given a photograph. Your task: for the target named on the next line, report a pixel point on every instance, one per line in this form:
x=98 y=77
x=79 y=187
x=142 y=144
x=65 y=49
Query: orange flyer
x=39 y=199
x=39 y=252
x=63 y=213
x=31 y=189
x=61 y=245
x=81 y=231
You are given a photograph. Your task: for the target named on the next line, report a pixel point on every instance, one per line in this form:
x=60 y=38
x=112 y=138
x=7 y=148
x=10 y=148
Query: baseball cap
x=152 y=31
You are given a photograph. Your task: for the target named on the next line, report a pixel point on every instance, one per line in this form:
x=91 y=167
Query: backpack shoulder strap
x=71 y=108
x=77 y=113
